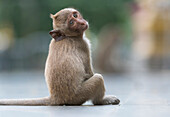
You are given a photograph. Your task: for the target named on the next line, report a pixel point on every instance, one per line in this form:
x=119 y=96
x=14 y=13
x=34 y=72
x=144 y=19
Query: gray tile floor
x=141 y=95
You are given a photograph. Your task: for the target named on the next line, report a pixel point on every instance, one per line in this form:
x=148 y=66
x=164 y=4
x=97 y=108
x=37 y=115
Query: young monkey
x=68 y=71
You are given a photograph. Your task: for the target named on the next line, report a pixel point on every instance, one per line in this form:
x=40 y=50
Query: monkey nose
x=81 y=22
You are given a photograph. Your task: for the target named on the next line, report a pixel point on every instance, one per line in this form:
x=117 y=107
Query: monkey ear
x=51 y=15
x=56 y=34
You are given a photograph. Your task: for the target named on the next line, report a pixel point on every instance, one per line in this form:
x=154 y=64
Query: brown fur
x=68 y=71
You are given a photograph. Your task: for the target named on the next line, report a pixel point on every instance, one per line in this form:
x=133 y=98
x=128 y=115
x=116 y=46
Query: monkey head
x=68 y=22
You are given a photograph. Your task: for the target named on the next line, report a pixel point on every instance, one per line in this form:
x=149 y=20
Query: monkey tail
x=27 y=102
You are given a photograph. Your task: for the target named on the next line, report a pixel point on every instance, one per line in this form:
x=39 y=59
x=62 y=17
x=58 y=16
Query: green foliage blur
x=27 y=16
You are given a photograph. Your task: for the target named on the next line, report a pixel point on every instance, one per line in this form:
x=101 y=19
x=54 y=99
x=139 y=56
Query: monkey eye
x=75 y=15
x=71 y=21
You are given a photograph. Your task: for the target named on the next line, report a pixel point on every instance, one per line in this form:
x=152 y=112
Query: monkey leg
x=94 y=89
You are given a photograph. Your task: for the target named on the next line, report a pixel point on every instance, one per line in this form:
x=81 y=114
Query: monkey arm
x=88 y=68
x=88 y=73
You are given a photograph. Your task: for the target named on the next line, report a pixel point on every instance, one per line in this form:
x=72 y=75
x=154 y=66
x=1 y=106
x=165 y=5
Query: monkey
x=68 y=70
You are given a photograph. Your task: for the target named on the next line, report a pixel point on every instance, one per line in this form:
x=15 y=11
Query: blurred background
x=130 y=47
x=126 y=35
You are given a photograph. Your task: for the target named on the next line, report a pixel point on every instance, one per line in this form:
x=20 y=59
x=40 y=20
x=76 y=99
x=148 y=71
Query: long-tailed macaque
x=68 y=71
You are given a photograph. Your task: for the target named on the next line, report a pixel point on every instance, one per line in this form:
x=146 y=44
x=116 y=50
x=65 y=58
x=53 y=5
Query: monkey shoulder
x=87 y=41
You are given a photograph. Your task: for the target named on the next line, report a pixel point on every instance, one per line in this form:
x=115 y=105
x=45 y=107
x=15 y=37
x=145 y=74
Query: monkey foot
x=110 y=100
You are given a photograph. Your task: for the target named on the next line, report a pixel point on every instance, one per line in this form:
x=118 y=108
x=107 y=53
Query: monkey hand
x=87 y=76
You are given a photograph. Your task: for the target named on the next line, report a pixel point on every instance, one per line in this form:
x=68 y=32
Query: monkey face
x=76 y=22
x=70 y=22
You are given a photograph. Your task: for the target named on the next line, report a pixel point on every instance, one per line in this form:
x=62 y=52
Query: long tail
x=27 y=102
